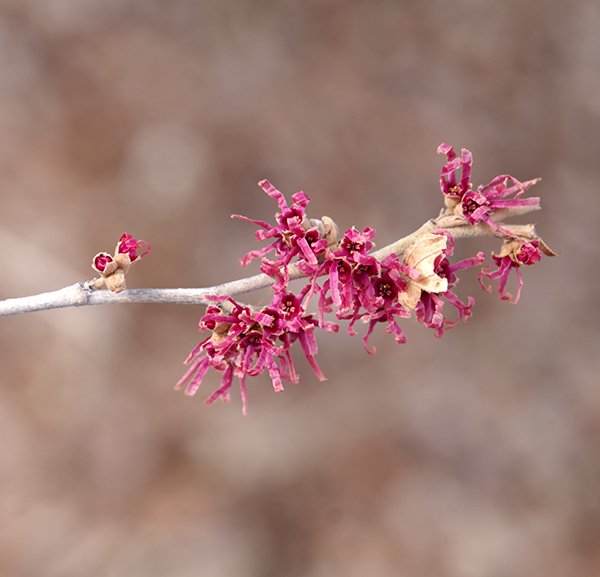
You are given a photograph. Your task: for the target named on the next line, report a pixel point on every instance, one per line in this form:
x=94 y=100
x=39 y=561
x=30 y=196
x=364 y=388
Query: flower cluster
x=484 y=205
x=245 y=342
x=113 y=268
x=347 y=282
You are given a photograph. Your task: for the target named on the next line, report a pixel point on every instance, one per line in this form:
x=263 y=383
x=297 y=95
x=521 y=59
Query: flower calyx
x=422 y=257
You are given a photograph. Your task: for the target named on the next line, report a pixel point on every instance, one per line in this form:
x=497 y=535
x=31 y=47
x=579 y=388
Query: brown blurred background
x=474 y=456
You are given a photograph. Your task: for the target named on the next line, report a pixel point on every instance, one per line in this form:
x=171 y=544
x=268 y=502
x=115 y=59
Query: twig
x=81 y=294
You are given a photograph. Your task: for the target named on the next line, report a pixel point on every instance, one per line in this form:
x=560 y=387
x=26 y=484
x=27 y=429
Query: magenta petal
x=195 y=383
x=275 y=374
x=222 y=391
x=260 y=223
x=254 y=254
x=370 y=350
x=466 y=162
x=519 y=287
x=396 y=330
x=194 y=352
x=447 y=150
x=188 y=374
x=309 y=255
x=333 y=284
x=309 y=346
x=244 y=395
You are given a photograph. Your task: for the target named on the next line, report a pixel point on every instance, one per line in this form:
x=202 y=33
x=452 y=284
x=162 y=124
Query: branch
x=82 y=294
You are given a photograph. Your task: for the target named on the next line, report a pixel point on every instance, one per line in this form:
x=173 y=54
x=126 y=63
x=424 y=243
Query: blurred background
x=472 y=456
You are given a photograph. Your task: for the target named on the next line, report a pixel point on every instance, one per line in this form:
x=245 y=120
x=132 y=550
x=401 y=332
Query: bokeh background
x=474 y=456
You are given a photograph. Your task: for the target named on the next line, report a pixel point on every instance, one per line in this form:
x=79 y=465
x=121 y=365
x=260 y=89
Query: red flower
x=130 y=245
x=429 y=309
x=101 y=260
x=503 y=191
x=513 y=255
x=480 y=206
x=456 y=173
x=294 y=235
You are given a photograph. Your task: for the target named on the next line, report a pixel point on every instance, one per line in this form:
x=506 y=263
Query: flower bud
x=101 y=261
x=114 y=268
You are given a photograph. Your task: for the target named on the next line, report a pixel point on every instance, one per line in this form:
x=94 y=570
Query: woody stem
x=82 y=294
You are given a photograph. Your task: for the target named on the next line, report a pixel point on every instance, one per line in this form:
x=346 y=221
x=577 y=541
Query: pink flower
x=354 y=243
x=429 y=309
x=359 y=287
x=101 y=260
x=293 y=236
x=348 y=269
x=480 y=206
x=384 y=306
x=456 y=173
x=291 y=324
x=130 y=245
x=512 y=256
x=529 y=253
x=503 y=191
x=237 y=346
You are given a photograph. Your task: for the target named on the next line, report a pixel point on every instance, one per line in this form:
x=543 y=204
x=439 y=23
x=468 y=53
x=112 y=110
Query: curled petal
x=223 y=391
x=135 y=248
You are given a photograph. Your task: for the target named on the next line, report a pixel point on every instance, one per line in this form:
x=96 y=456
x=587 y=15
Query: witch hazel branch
x=345 y=281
